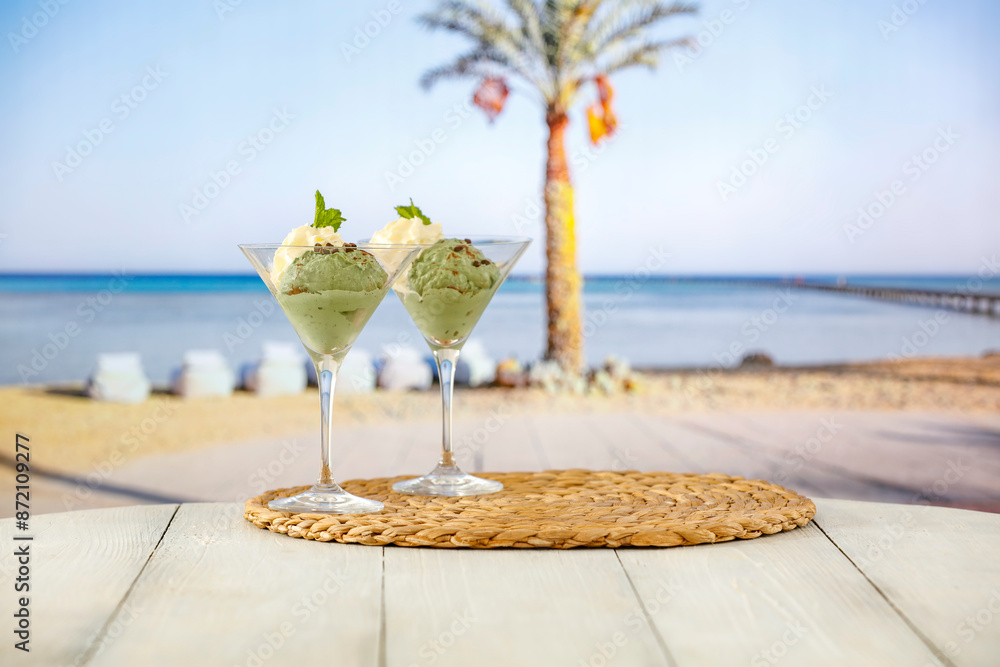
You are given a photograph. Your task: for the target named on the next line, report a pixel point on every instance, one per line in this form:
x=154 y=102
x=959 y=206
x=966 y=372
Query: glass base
x=448 y=481
x=326 y=499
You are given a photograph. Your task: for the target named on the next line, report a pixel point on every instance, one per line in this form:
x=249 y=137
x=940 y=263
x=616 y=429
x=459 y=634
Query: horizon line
x=513 y=276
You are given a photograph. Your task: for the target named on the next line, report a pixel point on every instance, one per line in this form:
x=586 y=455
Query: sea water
x=53 y=327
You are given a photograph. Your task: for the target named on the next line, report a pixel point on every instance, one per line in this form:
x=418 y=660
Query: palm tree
x=554 y=47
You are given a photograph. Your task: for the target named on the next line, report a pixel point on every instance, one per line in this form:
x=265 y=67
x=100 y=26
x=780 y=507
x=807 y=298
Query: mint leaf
x=412 y=211
x=327 y=217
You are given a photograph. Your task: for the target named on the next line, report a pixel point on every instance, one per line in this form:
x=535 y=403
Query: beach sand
x=70 y=433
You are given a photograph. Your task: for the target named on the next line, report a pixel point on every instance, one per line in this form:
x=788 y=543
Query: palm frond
x=575 y=28
x=620 y=27
x=495 y=41
x=554 y=45
x=555 y=14
x=478 y=63
x=646 y=54
x=531 y=24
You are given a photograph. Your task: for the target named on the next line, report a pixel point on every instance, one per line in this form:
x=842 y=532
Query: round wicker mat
x=557 y=509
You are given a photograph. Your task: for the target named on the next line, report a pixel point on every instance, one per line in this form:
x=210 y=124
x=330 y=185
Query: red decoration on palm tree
x=491 y=96
x=600 y=117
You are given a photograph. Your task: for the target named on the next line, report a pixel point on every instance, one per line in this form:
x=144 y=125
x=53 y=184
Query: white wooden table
x=195 y=584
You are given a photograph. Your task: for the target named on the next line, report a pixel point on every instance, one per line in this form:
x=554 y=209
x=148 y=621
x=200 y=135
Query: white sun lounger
x=280 y=371
x=404 y=368
x=205 y=373
x=119 y=378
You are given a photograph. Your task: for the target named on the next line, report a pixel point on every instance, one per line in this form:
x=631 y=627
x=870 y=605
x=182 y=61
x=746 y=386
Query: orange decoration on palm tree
x=491 y=96
x=600 y=117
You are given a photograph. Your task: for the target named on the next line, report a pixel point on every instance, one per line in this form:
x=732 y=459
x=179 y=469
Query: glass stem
x=446 y=360
x=327 y=366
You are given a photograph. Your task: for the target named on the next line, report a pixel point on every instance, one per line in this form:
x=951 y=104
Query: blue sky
x=198 y=84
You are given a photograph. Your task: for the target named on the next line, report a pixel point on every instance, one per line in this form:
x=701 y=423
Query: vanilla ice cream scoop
x=409 y=231
x=301 y=239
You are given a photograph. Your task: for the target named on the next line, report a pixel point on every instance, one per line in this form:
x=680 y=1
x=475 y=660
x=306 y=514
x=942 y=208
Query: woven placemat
x=557 y=509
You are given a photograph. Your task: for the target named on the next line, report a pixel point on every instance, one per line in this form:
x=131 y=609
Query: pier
x=964 y=301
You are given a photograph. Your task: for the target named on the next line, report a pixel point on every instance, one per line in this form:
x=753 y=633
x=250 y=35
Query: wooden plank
x=81 y=566
x=791 y=598
x=513 y=607
x=219 y=591
x=940 y=567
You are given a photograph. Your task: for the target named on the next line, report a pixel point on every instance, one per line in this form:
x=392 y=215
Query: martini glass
x=446 y=312
x=328 y=322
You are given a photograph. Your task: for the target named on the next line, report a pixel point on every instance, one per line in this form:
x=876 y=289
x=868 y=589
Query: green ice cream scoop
x=447 y=289
x=452 y=264
x=329 y=294
x=330 y=268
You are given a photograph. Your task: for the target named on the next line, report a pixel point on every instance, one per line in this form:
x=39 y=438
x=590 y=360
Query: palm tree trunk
x=562 y=279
